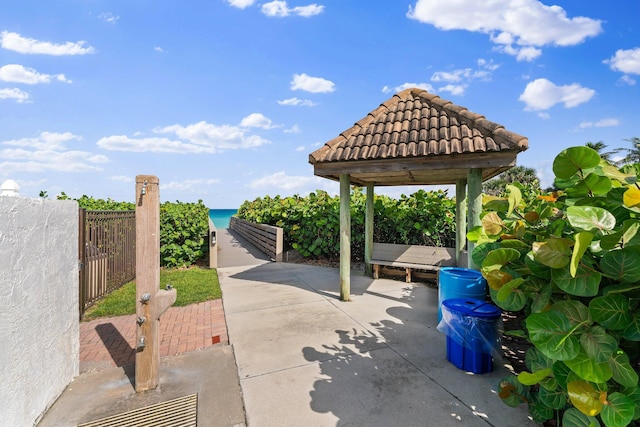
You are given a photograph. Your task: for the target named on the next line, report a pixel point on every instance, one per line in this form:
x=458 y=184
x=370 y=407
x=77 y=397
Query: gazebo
x=415 y=138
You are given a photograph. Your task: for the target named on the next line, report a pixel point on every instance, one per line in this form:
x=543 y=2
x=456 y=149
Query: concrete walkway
x=307 y=359
x=300 y=357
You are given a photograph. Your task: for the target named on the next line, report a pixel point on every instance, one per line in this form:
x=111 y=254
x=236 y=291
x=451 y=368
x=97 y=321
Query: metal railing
x=107 y=251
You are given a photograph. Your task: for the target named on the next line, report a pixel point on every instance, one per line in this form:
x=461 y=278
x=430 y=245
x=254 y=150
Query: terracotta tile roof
x=415 y=123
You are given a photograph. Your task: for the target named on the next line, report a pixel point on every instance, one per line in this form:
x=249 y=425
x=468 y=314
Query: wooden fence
x=107 y=251
x=267 y=238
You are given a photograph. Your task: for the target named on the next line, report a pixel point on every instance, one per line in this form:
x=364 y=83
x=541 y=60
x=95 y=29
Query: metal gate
x=107 y=250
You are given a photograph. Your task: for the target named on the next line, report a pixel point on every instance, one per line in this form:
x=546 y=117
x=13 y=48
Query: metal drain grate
x=180 y=412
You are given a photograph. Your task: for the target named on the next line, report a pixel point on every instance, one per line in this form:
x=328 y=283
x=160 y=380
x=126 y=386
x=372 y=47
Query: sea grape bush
x=571 y=261
x=312 y=224
x=184 y=228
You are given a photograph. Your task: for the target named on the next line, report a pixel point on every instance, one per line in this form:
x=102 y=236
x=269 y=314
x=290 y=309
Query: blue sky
x=224 y=100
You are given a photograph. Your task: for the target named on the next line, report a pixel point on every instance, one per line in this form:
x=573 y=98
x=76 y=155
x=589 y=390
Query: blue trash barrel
x=473 y=333
x=458 y=282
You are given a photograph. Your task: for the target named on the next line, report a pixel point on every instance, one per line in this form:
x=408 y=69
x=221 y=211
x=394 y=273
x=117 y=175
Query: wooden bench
x=411 y=257
x=267 y=238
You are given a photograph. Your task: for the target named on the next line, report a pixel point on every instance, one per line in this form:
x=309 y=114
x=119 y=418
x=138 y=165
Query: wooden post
x=461 y=218
x=345 y=237
x=151 y=302
x=213 y=245
x=368 y=230
x=474 y=180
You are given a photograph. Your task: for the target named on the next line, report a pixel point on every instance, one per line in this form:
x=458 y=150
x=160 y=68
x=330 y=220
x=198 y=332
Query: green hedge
x=184 y=228
x=312 y=224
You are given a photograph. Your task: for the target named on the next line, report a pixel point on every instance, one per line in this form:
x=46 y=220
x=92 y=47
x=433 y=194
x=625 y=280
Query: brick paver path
x=110 y=341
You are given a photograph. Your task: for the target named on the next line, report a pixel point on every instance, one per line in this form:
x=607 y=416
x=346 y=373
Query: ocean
x=221 y=217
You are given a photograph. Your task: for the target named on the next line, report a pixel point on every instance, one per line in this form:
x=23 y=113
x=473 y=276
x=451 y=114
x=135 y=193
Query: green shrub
x=311 y=224
x=571 y=261
x=184 y=228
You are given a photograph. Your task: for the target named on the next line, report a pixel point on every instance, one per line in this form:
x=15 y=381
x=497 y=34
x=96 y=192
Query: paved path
x=109 y=342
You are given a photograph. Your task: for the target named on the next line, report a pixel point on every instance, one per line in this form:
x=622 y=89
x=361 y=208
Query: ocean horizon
x=221 y=217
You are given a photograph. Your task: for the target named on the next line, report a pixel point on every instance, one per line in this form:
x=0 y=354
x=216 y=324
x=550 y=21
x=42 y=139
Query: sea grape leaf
x=589 y=218
x=575 y=311
x=508 y=288
x=554 y=399
x=574 y=159
x=515 y=197
x=623 y=372
x=553 y=252
x=531 y=378
x=622 y=265
x=480 y=251
x=632 y=331
x=598 y=344
x=583 y=240
x=619 y=410
x=499 y=257
x=551 y=332
x=585 y=283
x=584 y=397
x=588 y=369
x=492 y=224
x=512 y=392
x=514 y=302
x=572 y=417
x=611 y=311
x=631 y=197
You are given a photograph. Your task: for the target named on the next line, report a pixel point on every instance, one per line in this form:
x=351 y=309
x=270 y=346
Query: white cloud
x=109 y=17
x=201 y=137
x=403 y=86
x=241 y=4
x=158 y=49
x=191 y=185
x=121 y=178
x=301 y=148
x=280 y=8
x=257 y=120
x=47 y=152
x=626 y=61
x=14 y=93
x=312 y=84
x=518 y=27
x=293 y=129
x=458 y=80
x=453 y=89
x=297 y=102
x=541 y=94
x=600 y=123
x=627 y=80
x=280 y=180
x=17 y=43
x=18 y=74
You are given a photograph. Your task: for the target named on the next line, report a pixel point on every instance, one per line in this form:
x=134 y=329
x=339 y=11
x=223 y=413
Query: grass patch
x=193 y=285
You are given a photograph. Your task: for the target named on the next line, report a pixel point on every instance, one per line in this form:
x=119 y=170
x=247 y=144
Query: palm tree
x=599 y=147
x=632 y=154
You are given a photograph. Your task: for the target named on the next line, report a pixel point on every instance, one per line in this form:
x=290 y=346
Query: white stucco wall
x=39 y=327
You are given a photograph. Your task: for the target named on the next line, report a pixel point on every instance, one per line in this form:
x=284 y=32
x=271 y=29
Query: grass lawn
x=193 y=285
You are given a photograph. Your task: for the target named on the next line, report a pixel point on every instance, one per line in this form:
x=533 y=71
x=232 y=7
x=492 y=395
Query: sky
x=224 y=100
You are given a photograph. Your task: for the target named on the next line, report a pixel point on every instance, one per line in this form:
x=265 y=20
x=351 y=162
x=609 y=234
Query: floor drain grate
x=180 y=412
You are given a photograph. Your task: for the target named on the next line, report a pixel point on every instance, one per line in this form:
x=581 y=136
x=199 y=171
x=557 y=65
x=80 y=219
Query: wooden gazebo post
x=368 y=230
x=345 y=238
x=474 y=182
x=461 y=218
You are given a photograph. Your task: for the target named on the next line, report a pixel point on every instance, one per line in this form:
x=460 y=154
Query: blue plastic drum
x=458 y=282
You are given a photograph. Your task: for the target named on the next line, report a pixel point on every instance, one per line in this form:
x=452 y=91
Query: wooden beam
x=453 y=161
x=345 y=238
x=474 y=182
x=461 y=218
x=368 y=230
